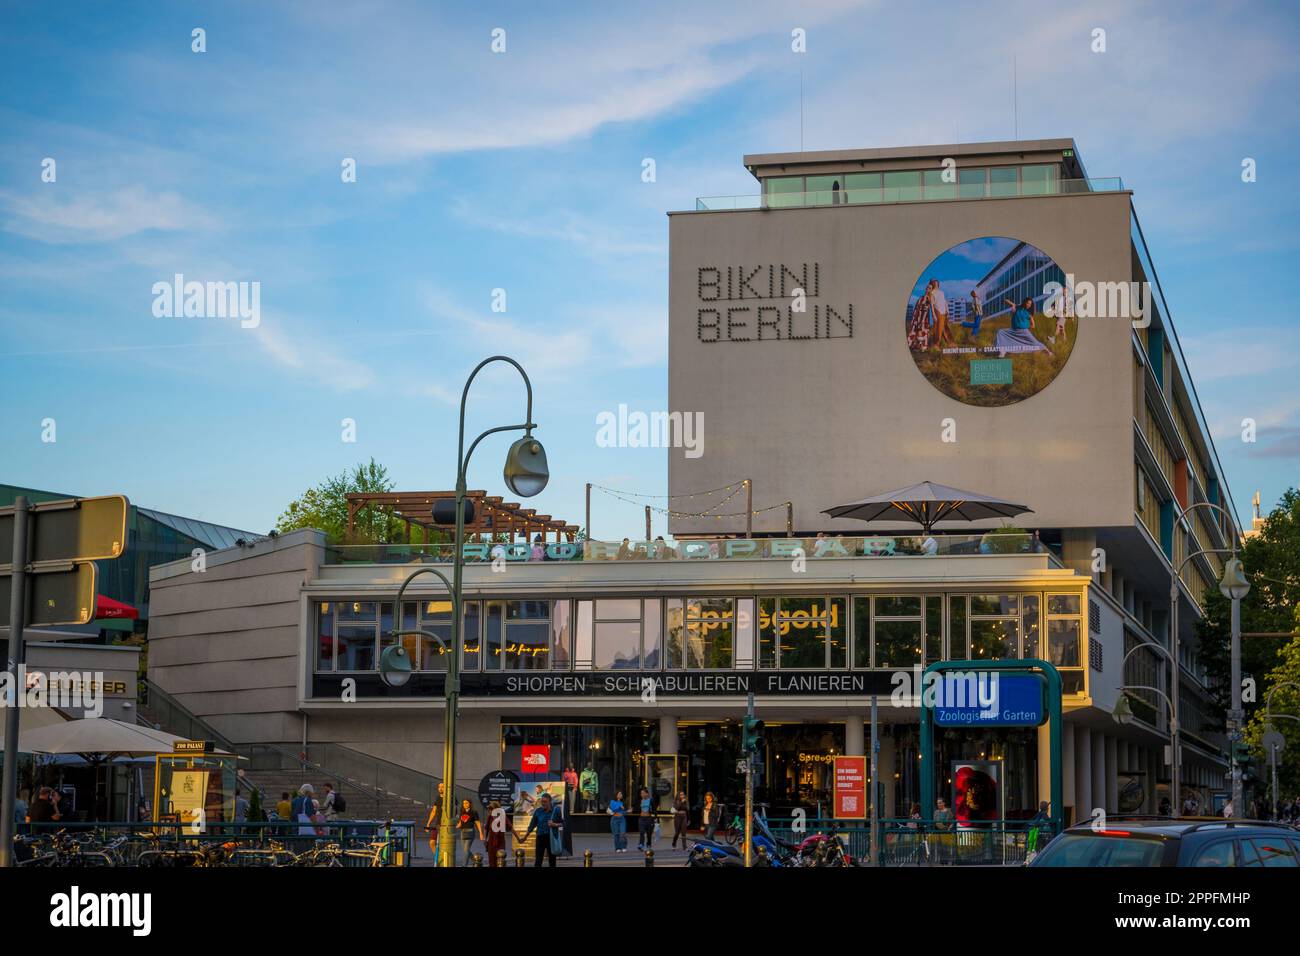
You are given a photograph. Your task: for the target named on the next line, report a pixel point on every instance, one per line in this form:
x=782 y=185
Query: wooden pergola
x=493 y=515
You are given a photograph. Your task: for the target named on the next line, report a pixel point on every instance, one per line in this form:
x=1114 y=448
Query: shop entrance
x=665 y=777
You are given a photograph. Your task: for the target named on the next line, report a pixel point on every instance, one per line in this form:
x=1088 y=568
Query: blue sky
x=522 y=171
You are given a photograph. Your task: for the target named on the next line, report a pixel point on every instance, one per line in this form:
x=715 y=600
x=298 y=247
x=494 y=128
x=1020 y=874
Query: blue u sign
x=988 y=699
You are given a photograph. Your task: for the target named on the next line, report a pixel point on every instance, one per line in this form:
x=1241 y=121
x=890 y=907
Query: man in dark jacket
x=545 y=819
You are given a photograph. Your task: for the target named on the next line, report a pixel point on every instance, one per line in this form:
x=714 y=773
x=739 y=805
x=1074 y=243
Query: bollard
x=519 y=857
x=478 y=859
x=586 y=859
x=501 y=859
x=649 y=857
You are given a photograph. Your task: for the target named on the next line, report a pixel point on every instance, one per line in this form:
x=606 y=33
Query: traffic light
x=752 y=738
x=1240 y=752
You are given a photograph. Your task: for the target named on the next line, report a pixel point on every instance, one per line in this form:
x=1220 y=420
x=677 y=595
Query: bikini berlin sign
x=767 y=302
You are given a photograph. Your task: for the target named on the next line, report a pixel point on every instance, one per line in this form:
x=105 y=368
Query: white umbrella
x=97 y=735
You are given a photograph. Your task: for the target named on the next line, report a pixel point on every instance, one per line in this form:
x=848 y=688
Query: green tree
x=1272 y=562
x=325 y=508
x=1286 y=678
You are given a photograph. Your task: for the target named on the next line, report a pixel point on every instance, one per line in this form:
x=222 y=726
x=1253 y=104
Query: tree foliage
x=1272 y=562
x=325 y=508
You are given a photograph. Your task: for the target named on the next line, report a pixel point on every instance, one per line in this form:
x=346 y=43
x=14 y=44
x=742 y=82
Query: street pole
x=749 y=790
x=17 y=656
x=1235 y=717
x=1175 y=748
x=875 y=810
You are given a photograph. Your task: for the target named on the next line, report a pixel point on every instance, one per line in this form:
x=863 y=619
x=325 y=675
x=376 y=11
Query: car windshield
x=1091 y=849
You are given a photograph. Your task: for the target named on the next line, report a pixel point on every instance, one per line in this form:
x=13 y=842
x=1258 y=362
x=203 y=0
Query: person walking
x=304 y=808
x=284 y=806
x=495 y=841
x=241 y=806
x=546 y=822
x=328 y=805
x=433 y=825
x=645 y=822
x=468 y=826
x=681 y=812
x=618 y=822
x=710 y=816
x=943 y=824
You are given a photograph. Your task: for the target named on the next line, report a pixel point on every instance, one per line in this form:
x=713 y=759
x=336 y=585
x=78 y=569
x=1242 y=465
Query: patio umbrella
x=106 y=609
x=97 y=736
x=927 y=504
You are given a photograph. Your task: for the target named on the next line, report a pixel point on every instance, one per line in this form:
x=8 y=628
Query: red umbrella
x=106 y=607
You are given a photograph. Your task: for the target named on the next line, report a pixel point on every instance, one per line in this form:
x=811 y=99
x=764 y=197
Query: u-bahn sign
x=990 y=699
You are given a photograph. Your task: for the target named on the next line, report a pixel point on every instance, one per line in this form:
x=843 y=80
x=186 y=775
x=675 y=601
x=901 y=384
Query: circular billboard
x=986 y=323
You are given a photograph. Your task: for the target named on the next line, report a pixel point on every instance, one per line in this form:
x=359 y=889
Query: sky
x=522 y=171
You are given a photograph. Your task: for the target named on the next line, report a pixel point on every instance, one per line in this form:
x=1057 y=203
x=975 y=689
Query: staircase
x=374 y=788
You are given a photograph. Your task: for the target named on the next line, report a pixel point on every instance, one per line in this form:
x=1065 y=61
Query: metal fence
x=906 y=842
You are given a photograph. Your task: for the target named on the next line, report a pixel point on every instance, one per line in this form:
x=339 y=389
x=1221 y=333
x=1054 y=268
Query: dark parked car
x=1160 y=841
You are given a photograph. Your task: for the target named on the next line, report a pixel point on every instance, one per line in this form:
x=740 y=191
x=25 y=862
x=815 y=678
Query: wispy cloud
x=52 y=216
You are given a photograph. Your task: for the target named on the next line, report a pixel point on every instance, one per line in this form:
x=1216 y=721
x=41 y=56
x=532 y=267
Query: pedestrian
x=20 y=811
x=468 y=826
x=241 y=806
x=681 y=810
x=645 y=822
x=544 y=820
x=943 y=823
x=1227 y=809
x=618 y=822
x=304 y=808
x=710 y=816
x=328 y=804
x=42 y=809
x=433 y=825
x=495 y=841
x=284 y=807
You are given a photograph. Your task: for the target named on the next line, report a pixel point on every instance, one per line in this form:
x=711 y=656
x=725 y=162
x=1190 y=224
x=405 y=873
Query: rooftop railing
x=891 y=194
x=705 y=549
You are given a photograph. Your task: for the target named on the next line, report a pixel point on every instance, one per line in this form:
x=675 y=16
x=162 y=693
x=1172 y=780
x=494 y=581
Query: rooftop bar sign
x=767 y=302
x=989 y=699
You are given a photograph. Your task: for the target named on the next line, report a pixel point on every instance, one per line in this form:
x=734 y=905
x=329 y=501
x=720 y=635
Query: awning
x=107 y=609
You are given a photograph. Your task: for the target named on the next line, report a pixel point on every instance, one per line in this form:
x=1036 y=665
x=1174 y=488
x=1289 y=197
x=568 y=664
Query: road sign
x=990 y=699
x=75 y=529
x=62 y=595
x=1273 y=742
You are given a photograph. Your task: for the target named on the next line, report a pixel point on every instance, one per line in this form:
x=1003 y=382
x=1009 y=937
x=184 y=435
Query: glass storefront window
x=355 y=647
x=1037 y=180
x=602 y=758
x=1063 y=643
x=802 y=632
x=862 y=632
x=898 y=643
x=971 y=183
x=472 y=648
x=325 y=636
x=561 y=653
x=933 y=628
x=745 y=633
x=837 y=629
x=784 y=191
x=527 y=636
x=1004 y=181
x=1029 y=626
x=993 y=639
x=706 y=633
x=936 y=187
x=958 y=645
x=863 y=187
x=1065 y=640
x=902 y=186
x=825 y=190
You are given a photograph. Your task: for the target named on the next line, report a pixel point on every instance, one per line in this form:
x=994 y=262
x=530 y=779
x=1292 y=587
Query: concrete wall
x=224 y=641
x=827 y=421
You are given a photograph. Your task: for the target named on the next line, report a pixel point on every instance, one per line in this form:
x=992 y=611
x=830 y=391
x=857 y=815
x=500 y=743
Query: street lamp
x=1234 y=587
x=525 y=474
x=1274 y=745
x=1123 y=714
x=1175 y=776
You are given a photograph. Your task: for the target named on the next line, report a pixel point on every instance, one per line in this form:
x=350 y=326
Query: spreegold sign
x=780 y=302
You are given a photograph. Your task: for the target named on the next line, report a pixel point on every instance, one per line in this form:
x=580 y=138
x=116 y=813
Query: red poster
x=536 y=758
x=850 y=788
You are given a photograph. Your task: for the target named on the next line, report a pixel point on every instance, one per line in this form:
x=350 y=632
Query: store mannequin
x=589 y=787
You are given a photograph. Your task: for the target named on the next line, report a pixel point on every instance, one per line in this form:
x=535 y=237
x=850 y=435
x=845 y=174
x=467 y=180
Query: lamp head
x=1233 y=585
x=1123 y=713
x=526 y=473
x=395 y=666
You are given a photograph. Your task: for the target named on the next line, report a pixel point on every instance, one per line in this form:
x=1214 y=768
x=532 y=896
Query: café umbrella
x=928 y=503
x=97 y=738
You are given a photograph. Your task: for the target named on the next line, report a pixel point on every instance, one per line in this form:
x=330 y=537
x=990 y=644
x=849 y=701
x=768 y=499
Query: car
x=1165 y=841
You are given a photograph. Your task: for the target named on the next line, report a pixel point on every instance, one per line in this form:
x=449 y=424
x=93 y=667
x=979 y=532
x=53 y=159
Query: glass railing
x=704 y=549
x=892 y=194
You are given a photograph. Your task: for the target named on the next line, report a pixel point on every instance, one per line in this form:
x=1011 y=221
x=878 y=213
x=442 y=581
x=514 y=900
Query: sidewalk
x=600 y=844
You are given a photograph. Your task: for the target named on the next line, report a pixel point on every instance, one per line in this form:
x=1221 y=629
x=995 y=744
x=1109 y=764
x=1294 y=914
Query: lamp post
x=1174 y=642
x=1124 y=712
x=1234 y=587
x=525 y=474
